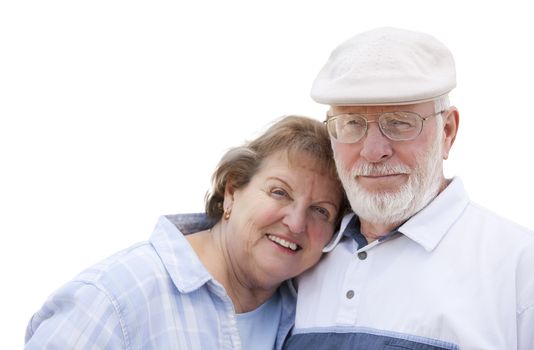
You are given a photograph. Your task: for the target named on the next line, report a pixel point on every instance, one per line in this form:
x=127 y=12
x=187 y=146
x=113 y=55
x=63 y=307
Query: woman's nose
x=295 y=219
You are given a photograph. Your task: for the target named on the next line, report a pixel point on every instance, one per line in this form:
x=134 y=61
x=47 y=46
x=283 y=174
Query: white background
x=115 y=112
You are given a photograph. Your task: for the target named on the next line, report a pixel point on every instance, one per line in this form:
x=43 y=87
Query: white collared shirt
x=458 y=277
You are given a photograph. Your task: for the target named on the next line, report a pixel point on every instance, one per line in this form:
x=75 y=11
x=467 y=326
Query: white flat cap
x=385 y=66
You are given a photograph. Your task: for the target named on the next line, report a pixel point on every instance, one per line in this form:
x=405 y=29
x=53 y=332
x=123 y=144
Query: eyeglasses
x=396 y=126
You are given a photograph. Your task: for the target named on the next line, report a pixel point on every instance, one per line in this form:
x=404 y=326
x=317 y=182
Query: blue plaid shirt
x=154 y=295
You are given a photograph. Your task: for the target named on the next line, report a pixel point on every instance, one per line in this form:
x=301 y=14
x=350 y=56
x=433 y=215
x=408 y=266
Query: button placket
x=348 y=294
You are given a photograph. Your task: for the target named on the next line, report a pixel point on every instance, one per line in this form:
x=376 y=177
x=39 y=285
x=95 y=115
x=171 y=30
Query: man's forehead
x=368 y=109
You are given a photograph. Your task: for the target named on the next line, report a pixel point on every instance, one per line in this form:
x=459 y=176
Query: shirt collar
x=337 y=237
x=180 y=260
x=427 y=228
x=353 y=231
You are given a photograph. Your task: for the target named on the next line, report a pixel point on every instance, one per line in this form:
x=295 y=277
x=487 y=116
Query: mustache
x=369 y=169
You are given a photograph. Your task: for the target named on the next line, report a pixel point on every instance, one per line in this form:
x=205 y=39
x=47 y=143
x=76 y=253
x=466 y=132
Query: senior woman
x=274 y=205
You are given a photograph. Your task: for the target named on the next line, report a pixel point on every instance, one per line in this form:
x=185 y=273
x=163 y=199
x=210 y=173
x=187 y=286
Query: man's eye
x=355 y=123
x=400 y=124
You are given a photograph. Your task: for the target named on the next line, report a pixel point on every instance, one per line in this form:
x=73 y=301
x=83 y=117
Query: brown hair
x=294 y=134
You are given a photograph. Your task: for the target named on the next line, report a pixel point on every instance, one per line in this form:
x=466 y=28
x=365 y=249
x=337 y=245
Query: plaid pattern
x=154 y=295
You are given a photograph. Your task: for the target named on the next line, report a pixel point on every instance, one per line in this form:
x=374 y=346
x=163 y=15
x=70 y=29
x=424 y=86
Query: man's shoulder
x=489 y=222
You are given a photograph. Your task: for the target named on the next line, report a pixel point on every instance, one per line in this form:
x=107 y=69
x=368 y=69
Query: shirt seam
x=116 y=307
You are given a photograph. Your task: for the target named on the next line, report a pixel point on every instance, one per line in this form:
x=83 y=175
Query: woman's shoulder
x=108 y=296
x=135 y=267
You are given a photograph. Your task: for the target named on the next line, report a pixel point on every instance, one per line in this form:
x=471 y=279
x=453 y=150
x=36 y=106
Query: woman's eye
x=278 y=192
x=322 y=211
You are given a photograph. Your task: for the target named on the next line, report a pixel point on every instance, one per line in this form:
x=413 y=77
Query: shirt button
x=362 y=255
x=350 y=294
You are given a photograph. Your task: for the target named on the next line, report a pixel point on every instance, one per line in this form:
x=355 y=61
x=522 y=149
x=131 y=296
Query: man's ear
x=451 y=121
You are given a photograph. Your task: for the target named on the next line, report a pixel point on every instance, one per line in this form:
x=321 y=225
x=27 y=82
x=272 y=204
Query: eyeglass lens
x=397 y=126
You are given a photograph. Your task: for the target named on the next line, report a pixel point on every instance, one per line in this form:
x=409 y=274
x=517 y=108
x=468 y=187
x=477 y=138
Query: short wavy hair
x=294 y=134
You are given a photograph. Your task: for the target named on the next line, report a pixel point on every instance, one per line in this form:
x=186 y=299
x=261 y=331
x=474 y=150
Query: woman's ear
x=228 y=195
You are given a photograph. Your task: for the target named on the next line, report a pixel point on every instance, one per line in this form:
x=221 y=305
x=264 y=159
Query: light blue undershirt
x=258 y=328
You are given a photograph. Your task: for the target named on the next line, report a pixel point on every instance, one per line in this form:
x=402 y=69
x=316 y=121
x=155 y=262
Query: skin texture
x=376 y=149
x=291 y=199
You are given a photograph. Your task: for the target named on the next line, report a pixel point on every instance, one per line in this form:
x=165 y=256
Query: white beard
x=393 y=208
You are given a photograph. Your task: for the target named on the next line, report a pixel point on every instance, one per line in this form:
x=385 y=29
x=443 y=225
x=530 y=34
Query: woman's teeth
x=283 y=242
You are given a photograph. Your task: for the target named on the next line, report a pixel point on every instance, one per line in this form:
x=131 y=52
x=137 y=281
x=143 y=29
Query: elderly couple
x=404 y=260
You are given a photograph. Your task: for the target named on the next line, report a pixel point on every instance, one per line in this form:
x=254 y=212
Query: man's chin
x=379 y=192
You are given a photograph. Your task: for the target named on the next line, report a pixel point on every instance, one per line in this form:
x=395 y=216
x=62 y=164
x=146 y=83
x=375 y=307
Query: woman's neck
x=212 y=249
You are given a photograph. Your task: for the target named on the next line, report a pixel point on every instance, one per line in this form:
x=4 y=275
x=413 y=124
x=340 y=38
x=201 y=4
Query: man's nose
x=376 y=147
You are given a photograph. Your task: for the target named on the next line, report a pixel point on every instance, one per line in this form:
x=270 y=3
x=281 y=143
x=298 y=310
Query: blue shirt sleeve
x=78 y=316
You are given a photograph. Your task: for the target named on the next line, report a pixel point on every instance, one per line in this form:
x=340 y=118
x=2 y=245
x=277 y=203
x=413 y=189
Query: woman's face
x=281 y=220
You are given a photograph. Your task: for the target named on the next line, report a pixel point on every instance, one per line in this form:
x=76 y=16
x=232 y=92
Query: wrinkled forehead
x=295 y=158
x=298 y=158
x=421 y=108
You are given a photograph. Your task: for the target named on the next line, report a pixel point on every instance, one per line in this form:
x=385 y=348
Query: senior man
x=418 y=266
